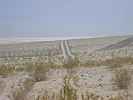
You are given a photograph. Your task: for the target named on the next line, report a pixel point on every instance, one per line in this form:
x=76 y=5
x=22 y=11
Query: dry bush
x=72 y=63
x=68 y=93
x=6 y=69
x=112 y=63
x=38 y=69
x=122 y=78
x=91 y=63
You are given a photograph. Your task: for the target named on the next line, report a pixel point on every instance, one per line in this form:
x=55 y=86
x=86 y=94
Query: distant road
x=66 y=51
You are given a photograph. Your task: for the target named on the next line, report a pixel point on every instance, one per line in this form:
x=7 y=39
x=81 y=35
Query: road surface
x=66 y=51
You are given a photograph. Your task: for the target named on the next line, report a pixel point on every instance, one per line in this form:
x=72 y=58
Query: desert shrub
x=122 y=78
x=115 y=65
x=72 y=63
x=68 y=93
x=29 y=67
x=38 y=69
x=91 y=63
x=112 y=63
x=117 y=98
x=6 y=69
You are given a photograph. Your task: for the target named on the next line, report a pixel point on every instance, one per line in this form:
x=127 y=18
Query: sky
x=57 y=18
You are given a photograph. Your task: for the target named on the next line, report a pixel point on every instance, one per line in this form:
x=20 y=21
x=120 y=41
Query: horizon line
x=11 y=40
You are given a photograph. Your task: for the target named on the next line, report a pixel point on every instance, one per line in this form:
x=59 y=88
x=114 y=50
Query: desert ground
x=75 y=69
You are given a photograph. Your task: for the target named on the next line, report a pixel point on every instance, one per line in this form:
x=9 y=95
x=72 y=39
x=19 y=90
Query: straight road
x=66 y=51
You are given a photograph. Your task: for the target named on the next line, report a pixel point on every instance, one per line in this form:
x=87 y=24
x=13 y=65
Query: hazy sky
x=65 y=17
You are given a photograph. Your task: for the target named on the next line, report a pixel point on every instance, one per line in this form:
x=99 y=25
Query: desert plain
x=73 y=69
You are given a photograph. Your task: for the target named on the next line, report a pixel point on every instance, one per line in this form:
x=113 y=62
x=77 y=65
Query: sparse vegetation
x=91 y=63
x=122 y=78
x=6 y=69
x=33 y=61
x=39 y=69
x=90 y=96
x=68 y=93
x=72 y=63
x=117 y=62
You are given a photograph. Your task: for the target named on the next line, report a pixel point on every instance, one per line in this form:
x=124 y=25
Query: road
x=66 y=51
